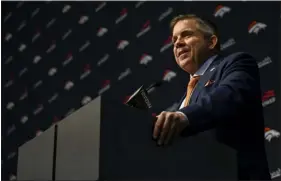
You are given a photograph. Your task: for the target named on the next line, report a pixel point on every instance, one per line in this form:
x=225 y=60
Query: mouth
x=181 y=52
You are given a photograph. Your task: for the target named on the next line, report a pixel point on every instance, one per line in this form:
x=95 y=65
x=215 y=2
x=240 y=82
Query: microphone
x=140 y=99
x=154 y=85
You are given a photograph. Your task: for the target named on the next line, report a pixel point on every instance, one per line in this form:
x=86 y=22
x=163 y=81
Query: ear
x=213 y=42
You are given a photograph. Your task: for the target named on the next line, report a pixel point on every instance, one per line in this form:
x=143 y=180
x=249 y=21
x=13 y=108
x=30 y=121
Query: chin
x=186 y=66
x=184 y=62
x=188 y=70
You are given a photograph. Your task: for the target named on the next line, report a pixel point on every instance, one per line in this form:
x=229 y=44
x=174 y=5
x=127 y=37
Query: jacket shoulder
x=239 y=55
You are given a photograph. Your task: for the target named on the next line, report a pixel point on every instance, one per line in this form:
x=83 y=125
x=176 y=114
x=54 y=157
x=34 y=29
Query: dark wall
x=56 y=56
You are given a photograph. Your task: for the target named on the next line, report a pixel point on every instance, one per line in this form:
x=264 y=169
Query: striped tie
x=190 y=87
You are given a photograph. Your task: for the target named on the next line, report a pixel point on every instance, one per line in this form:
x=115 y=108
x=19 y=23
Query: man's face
x=190 y=46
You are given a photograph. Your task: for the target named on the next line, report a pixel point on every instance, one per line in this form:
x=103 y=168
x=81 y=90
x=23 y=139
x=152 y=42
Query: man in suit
x=223 y=94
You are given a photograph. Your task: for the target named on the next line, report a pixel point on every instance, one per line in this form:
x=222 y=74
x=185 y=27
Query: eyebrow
x=188 y=31
x=184 y=31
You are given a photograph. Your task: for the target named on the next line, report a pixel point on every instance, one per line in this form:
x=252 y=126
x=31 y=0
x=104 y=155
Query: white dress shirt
x=200 y=72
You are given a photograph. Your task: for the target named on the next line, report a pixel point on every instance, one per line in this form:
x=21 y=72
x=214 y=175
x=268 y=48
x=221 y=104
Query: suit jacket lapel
x=182 y=99
x=203 y=79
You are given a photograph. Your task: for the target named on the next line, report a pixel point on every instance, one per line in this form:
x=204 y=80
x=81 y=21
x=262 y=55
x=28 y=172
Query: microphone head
x=156 y=84
x=159 y=83
x=139 y=99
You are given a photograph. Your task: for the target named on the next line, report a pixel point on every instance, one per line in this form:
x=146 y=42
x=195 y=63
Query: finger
x=165 y=129
x=158 y=126
x=155 y=116
x=177 y=132
x=171 y=133
x=154 y=119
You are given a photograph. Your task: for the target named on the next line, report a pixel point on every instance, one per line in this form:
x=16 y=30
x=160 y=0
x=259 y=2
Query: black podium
x=109 y=141
x=128 y=152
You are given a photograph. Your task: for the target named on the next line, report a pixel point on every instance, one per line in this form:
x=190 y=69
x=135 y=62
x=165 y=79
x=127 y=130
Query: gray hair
x=205 y=26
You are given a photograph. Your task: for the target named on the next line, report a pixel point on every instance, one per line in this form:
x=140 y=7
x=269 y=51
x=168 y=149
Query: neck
x=205 y=57
x=201 y=61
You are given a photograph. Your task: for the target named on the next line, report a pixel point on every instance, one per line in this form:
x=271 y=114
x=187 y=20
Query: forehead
x=187 y=24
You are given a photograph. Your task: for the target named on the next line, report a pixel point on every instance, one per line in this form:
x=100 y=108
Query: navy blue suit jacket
x=232 y=106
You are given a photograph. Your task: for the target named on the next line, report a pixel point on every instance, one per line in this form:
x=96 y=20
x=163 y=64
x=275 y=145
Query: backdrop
x=58 y=56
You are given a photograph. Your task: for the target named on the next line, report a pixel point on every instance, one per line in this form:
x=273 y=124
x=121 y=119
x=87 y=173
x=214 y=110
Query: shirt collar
x=205 y=66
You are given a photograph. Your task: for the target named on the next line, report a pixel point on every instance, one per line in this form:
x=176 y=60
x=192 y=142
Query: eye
x=186 y=33
x=174 y=39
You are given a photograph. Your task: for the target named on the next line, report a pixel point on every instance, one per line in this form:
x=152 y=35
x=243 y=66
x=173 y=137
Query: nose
x=179 y=43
